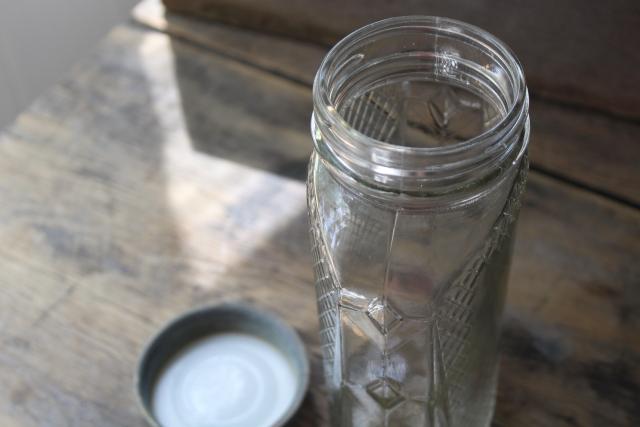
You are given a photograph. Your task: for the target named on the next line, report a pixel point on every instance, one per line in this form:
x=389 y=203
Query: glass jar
x=420 y=128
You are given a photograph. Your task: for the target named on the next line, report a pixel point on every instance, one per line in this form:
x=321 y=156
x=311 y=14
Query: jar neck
x=421 y=52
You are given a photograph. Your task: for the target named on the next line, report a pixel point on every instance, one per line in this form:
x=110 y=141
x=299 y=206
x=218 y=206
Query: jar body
x=410 y=302
x=420 y=129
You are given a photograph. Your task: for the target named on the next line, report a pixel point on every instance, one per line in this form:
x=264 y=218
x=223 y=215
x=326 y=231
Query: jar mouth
x=422 y=50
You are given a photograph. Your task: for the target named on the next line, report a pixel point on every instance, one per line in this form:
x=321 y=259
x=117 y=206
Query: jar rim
x=432 y=162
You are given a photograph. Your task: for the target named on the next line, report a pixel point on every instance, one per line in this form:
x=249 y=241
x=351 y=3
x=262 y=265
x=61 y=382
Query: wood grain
x=293 y=59
x=595 y=150
x=572 y=51
x=144 y=185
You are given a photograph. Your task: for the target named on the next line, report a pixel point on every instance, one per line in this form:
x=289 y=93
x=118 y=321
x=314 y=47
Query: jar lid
x=226 y=365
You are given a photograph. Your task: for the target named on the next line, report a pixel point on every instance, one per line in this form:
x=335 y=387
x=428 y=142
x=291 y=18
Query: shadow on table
x=236 y=112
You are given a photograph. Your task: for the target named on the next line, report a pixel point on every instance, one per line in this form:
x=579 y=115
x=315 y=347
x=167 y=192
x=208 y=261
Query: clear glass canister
x=420 y=128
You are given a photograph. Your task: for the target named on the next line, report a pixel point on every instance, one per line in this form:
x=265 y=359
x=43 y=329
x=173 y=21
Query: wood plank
x=595 y=67
x=595 y=150
x=296 y=60
x=115 y=219
x=572 y=321
x=598 y=151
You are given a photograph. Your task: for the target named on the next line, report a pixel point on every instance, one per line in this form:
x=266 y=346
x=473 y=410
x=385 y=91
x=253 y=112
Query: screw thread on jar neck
x=420 y=106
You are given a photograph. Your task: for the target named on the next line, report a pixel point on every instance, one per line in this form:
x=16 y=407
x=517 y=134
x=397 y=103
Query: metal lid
x=227 y=365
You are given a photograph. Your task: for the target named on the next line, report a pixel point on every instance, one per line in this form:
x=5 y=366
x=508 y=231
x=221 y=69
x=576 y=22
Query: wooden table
x=166 y=172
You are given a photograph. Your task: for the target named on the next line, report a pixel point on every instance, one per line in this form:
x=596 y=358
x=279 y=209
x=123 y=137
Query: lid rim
x=152 y=354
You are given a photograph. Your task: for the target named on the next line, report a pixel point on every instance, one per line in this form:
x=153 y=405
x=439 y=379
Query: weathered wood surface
x=143 y=186
x=113 y=221
x=596 y=150
x=293 y=59
x=574 y=51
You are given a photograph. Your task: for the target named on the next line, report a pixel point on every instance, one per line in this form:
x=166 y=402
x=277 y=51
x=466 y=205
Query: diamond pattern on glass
x=370 y=344
x=441 y=107
x=386 y=392
x=383 y=315
x=352 y=300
